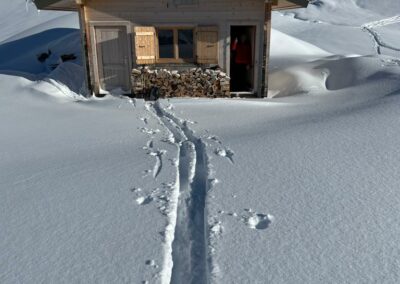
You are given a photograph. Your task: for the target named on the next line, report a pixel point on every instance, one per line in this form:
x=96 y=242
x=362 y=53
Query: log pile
x=193 y=82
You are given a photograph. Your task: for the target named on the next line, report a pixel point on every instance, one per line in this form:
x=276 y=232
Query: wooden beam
x=84 y=47
x=288 y=4
x=61 y=5
x=266 y=49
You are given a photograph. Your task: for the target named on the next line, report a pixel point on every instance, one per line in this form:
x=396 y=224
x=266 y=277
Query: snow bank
x=288 y=51
x=67 y=80
x=334 y=73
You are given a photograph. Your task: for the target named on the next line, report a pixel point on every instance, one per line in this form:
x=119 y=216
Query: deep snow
x=301 y=188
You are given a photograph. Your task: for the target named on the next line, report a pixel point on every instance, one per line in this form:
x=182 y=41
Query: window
x=166 y=43
x=185 y=44
x=175 y=45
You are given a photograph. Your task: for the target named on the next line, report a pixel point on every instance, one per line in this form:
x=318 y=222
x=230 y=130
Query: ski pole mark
x=158 y=155
x=159 y=164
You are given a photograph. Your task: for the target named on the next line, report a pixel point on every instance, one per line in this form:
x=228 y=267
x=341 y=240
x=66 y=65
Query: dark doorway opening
x=242 y=59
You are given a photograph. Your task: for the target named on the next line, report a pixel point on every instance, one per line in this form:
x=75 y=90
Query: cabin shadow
x=21 y=57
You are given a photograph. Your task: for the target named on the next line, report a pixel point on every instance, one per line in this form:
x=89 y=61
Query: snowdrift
x=334 y=73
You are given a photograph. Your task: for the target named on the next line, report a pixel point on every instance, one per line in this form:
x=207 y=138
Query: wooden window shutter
x=207 y=45
x=145 y=47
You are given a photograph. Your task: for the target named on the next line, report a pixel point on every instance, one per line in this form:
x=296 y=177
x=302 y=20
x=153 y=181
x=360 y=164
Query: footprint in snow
x=149 y=131
x=255 y=221
x=144 y=200
x=136 y=189
x=144 y=119
x=151 y=263
x=227 y=153
x=214 y=139
x=258 y=221
x=149 y=145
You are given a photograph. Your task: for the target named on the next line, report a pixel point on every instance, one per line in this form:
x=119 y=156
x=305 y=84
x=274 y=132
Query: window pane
x=185 y=42
x=166 y=43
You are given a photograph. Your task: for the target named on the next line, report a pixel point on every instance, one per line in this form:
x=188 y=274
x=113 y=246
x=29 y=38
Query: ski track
x=376 y=37
x=186 y=259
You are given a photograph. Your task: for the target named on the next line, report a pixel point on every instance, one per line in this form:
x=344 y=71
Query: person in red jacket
x=242 y=60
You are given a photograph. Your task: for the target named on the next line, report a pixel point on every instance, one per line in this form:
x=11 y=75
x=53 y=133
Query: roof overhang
x=61 y=5
x=72 y=5
x=288 y=4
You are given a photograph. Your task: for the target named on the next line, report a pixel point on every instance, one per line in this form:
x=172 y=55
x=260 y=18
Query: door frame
x=257 y=51
x=103 y=24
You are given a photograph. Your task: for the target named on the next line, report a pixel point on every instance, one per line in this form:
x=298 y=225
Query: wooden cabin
x=121 y=35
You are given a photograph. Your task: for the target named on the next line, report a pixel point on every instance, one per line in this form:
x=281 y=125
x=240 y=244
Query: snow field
x=301 y=188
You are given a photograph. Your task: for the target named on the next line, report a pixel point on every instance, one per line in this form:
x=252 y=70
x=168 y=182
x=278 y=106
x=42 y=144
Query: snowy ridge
x=189 y=247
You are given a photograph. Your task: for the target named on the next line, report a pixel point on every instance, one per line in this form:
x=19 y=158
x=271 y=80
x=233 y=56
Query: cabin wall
x=220 y=13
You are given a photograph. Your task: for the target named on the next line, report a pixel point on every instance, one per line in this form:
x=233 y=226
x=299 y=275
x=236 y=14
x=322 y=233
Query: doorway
x=112 y=51
x=242 y=59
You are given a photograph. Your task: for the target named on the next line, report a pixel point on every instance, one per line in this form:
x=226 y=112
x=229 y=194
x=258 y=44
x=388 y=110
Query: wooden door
x=113 y=58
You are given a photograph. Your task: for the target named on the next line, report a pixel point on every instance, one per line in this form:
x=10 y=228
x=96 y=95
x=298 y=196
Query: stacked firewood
x=193 y=82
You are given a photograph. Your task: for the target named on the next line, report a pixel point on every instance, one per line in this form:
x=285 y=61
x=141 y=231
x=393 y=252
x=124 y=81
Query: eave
x=71 y=5
x=288 y=4
x=60 y=5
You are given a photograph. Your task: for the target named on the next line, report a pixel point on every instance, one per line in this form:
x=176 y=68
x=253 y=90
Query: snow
x=27 y=20
x=301 y=187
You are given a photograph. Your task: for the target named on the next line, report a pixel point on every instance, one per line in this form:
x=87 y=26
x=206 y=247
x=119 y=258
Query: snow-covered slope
x=334 y=25
x=20 y=18
x=302 y=188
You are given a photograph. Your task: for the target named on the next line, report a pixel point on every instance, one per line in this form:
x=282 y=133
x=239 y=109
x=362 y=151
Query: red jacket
x=243 y=53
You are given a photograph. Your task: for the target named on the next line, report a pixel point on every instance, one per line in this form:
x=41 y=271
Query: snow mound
x=67 y=80
x=333 y=73
x=287 y=51
x=285 y=45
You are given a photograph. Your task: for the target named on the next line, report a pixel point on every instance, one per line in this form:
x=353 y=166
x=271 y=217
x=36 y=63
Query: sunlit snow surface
x=301 y=187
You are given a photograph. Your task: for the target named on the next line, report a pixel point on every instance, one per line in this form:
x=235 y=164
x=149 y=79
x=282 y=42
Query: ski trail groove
x=189 y=247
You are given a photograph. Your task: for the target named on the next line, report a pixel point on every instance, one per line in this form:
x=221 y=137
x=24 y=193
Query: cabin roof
x=71 y=5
